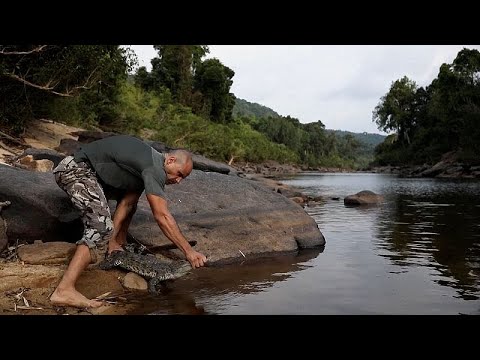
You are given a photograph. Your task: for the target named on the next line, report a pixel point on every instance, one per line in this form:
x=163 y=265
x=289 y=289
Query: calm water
x=418 y=253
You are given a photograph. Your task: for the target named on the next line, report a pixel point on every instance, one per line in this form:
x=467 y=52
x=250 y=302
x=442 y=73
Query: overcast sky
x=337 y=84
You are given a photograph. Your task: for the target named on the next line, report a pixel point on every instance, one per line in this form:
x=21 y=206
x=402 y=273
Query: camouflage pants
x=80 y=182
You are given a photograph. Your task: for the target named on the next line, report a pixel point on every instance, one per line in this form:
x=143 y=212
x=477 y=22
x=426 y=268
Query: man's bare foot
x=73 y=298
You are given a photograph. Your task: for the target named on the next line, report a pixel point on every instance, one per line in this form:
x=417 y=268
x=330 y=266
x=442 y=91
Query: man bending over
x=118 y=167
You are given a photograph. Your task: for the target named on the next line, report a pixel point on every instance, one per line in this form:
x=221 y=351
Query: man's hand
x=196 y=259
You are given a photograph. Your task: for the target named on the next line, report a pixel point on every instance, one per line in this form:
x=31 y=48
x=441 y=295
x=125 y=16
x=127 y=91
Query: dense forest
x=186 y=101
x=427 y=123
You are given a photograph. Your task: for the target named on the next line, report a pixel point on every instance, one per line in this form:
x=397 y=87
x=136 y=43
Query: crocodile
x=148 y=266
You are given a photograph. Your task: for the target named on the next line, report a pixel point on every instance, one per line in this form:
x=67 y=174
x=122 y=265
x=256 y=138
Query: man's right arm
x=168 y=225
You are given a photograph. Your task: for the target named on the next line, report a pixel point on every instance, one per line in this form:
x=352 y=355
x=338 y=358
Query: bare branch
x=84 y=86
x=50 y=88
x=8 y=137
x=37 y=49
x=91 y=74
x=46 y=88
x=9 y=149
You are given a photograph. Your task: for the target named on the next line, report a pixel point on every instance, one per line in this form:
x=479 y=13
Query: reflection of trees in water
x=180 y=296
x=439 y=232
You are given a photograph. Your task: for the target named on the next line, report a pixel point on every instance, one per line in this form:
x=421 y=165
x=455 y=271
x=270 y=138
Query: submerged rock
x=365 y=197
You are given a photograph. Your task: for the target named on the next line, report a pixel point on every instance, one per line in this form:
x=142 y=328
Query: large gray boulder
x=229 y=217
x=39 y=209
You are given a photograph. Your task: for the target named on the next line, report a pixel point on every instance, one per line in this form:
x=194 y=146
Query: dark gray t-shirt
x=126 y=163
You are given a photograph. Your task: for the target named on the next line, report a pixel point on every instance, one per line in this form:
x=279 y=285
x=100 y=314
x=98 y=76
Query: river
x=416 y=253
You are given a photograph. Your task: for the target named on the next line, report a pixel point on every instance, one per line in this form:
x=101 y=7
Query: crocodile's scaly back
x=147 y=266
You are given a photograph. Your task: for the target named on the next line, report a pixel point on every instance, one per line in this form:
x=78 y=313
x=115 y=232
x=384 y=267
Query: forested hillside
x=369 y=139
x=335 y=148
x=248 y=109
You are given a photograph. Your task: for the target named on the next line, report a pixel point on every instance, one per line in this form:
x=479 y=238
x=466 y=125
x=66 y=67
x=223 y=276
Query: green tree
x=144 y=79
x=174 y=68
x=456 y=101
x=396 y=109
x=213 y=81
x=315 y=146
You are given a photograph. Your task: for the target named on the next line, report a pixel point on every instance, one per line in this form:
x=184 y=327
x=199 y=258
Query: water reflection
x=438 y=230
x=216 y=286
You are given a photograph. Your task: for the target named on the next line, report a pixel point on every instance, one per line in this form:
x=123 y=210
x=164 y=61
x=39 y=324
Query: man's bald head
x=178 y=165
x=182 y=156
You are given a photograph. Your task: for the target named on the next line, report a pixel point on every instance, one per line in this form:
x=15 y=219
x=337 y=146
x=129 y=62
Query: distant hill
x=245 y=108
x=369 y=139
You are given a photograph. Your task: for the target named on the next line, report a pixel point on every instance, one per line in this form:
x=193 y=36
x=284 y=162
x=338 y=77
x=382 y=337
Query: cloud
x=339 y=85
